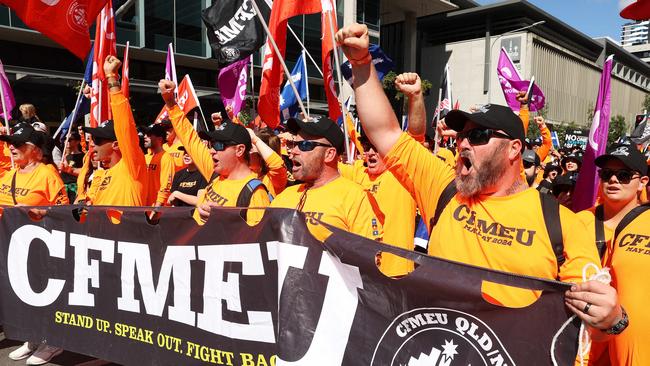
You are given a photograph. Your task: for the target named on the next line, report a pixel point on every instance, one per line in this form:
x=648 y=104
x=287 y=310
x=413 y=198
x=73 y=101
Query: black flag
x=234 y=31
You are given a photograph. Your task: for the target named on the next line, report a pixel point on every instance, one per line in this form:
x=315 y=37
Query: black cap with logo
x=156 y=130
x=494 y=116
x=626 y=154
x=105 y=130
x=228 y=131
x=25 y=133
x=319 y=126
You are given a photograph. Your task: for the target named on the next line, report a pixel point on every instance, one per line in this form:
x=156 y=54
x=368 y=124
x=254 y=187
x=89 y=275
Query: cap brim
x=99 y=132
x=12 y=139
x=456 y=120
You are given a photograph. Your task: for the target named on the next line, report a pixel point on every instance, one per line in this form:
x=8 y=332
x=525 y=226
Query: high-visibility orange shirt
x=5 y=158
x=398 y=206
x=222 y=191
x=176 y=155
x=125 y=183
x=160 y=173
x=40 y=187
x=275 y=178
x=340 y=203
x=503 y=233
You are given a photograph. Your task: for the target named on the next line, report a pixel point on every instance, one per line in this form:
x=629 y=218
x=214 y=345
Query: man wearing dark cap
x=531 y=165
x=117 y=147
x=494 y=220
x=324 y=195
x=623 y=176
x=160 y=167
x=235 y=184
x=571 y=164
x=551 y=171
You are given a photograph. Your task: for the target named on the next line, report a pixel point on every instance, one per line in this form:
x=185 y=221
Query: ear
x=115 y=146
x=515 y=150
x=240 y=150
x=643 y=182
x=331 y=155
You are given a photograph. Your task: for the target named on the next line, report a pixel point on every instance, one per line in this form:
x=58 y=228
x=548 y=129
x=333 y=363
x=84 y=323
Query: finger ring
x=586 y=309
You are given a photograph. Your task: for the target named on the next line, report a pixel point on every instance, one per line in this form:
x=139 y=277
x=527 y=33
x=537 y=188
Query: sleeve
x=352 y=172
x=579 y=246
x=57 y=194
x=81 y=178
x=420 y=172
x=277 y=172
x=260 y=198
x=524 y=116
x=5 y=156
x=547 y=143
x=127 y=135
x=200 y=153
x=418 y=138
x=167 y=169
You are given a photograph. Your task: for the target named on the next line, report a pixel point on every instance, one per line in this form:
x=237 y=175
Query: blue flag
x=81 y=109
x=288 y=103
x=383 y=64
x=88 y=75
x=555 y=140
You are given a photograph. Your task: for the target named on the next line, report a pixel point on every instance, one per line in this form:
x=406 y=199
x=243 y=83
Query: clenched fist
x=167 y=91
x=354 y=42
x=111 y=65
x=409 y=83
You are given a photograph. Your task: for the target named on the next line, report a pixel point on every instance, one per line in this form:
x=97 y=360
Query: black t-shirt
x=75 y=160
x=187 y=182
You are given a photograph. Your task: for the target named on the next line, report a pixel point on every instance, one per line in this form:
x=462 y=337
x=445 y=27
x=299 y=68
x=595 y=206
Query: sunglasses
x=624 y=176
x=222 y=145
x=480 y=136
x=528 y=164
x=305 y=145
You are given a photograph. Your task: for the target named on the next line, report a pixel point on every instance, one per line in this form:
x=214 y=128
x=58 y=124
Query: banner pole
x=306 y=78
x=305 y=49
x=76 y=104
x=348 y=149
x=277 y=53
x=73 y=117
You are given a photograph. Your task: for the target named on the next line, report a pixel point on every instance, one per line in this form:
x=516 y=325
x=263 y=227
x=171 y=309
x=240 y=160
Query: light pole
x=488 y=64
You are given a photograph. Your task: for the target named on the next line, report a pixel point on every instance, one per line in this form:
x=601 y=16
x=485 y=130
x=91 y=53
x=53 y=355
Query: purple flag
x=7 y=94
x=587 y=185
x=232 y=84
x=170 y=67
x=511 y=84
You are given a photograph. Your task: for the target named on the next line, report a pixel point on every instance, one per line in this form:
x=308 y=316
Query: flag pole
x=277 y=52
x=437 y=136
x=306 y=78
x=305 y=49
x=73 y=117
x=74 y=111
x=348 y=149
x=4 y=112
x=252 y=72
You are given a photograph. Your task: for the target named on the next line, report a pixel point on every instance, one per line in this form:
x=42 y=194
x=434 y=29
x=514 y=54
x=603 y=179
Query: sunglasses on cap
x=624 y=176
x=481 y=136
x=222 y=145
x=305 y=145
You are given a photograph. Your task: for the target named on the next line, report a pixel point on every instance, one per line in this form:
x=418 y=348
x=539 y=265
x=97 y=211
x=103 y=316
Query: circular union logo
x=76 y=17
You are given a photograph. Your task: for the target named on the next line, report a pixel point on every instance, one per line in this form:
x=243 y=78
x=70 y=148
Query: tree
x=646 y=102
x=562 y=130
x=617 y=128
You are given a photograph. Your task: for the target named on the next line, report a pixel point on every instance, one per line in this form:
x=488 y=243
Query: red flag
x=457 y=105
x=162 y=115
x=269 y=103
x=104 y=45
x=326 y=55
x=187 y=99
x=125 y=72
x=65 y=21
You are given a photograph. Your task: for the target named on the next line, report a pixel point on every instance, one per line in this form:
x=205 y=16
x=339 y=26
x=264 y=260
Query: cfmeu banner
x=225 y=293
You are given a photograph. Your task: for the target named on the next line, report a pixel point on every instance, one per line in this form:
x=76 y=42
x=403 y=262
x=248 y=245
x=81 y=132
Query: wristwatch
x=619 y=327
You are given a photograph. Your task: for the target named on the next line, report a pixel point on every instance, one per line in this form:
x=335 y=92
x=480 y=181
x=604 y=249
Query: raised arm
x=547 y=141
x=374 y=109
x=410 y=84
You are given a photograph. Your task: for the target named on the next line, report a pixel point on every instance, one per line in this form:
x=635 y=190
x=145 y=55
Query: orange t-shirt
x=176 y=155
x=275 y=179
x=40 y=187
x=160 y=173
x=124 y=184
x=398 y=206
x=503 y=233
x=5 y=158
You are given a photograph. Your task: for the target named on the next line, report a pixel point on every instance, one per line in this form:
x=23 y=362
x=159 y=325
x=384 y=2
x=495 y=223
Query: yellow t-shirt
x=124 y=184
x=630 y=257
x=398 y=206
x=176 y=155
x=340 y=203
x=160 y=173
x=447 y=156
x=40 y=187
x=225 y=192
x=502 y=233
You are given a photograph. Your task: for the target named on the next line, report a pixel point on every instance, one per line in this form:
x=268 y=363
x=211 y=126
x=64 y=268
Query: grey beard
x=488 y=175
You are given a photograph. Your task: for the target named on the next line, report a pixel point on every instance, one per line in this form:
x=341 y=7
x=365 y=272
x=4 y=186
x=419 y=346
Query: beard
x=483 y=176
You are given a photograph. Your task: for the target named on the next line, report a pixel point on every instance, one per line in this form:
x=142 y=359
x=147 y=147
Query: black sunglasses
x=528 y=164
x=481 y=136
x=624 y=176
x=305 y=145
x=222 y=145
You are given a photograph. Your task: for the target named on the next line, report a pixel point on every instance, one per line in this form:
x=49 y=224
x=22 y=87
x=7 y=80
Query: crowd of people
x=485 y=194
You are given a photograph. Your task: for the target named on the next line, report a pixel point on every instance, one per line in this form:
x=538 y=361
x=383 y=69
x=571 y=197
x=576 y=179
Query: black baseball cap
x=228 y=131
x=626 y=154
x=156 y=130
x=552 y=167
x=577 y=158
x=105 y=130
x=319 y=126
x=492 y=116
x=24 y=133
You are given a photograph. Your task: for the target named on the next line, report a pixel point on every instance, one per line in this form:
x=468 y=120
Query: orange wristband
x=361 y=61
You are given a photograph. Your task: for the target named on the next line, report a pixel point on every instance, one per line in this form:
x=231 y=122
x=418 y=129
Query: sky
x=595 y=18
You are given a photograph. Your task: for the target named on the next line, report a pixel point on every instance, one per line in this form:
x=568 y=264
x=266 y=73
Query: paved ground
x=64 y=359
